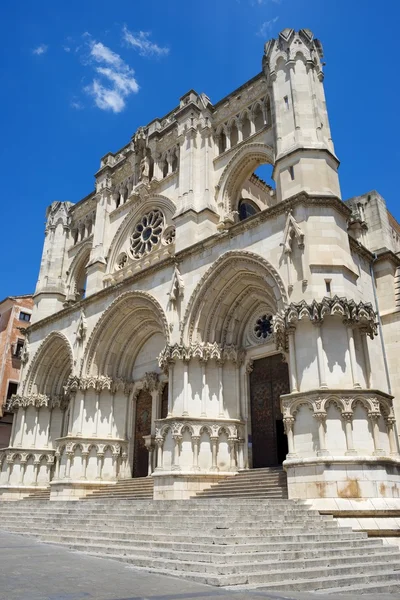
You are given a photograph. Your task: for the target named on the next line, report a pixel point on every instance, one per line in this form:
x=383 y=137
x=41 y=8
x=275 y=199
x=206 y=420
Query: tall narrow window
x=286 y=101
x=291 y=173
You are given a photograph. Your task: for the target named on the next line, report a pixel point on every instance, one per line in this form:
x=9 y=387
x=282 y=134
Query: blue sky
x=79 y=77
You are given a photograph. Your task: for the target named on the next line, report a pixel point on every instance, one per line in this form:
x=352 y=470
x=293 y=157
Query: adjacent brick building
x=15 y=314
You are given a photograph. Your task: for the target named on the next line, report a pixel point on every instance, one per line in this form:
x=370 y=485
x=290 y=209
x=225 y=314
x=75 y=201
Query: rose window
x=147 y=233
x=263 y=327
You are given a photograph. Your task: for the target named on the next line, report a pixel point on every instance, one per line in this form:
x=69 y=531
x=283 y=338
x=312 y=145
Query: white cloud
x=117 y=83
x=140 y=41
x=266 y=27
x=76 y=105
x=67 y=48
x=42 y=49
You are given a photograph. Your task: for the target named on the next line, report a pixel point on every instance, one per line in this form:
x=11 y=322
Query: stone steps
x=269 y=482
x=276 y=544
x=39 y=495
x=137 y=488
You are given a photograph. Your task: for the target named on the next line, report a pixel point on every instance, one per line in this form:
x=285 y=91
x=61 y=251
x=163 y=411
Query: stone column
x=81 y=412
x=214 y=448
x=48 y=429
x=23 y=417
x=391 y=424
x=221 y=412
x=176 y=452
x=9 y=468
x=22 y=473
x=97 y=414
x=112 y=408
x=150 y=465
x=100 y=461
x=296 y=116
x=36 y=471
x=70 y=456
x=196 y=444
x=321 y=418
x=71 y=412
x=320 y=356
x=353 y=359
x=292 y=359
x=85 y=459
x=13 y=426
x=116 y=459
x=203 y=364
x=155 y=403
x=288 y=423
x=348 y=420
x=232 y=454
x=36 y=426
x=185 y=388
x=368 y=372
x=57 y=472
x=160 y=460
x=240 y=454
x=238 y=394
x=170 y=387
x=374 y=418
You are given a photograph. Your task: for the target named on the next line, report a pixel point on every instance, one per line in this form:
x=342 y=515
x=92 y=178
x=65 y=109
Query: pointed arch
x=77 y=271
x=120 y=333
x=51 y=366
x=239 y=168
x=214 y=302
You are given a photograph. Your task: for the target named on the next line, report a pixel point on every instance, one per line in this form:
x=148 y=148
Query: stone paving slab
x=31 y=570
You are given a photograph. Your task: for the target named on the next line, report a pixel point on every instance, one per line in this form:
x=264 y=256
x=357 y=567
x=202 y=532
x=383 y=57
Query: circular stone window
x=147 y=233
x=263 y=327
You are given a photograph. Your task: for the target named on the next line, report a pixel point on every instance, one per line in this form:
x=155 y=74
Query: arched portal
x=129 y=326
x=234 y=305
x=50 y=367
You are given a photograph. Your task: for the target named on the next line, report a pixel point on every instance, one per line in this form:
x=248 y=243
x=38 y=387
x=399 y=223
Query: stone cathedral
x=192 y=320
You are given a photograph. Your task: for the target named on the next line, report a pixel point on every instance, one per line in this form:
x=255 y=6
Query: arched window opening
x=246 y=209
x=174 y=163
x=75 y=235
x=258 y=118
x=89 y=228
x=264 y=174
x=82 y=233
x=151 y=168
x=165 y=167
x=234 y=135
x=222 y=142
x=246 y=128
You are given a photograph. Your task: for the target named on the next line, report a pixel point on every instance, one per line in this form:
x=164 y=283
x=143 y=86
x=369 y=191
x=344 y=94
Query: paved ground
x=31 y=570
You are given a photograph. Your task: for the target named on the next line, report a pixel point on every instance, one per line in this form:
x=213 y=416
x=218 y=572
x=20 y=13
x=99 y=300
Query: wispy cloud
x=42 y=49
x=266 y=27
x=76 y=104
x=116 y=79
x=265 y=2
x=141 y=42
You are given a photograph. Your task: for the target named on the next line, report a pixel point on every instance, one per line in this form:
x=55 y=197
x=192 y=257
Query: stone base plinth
x=180 y=486
x=75 y=489
x=15 y=492
x=343 y=477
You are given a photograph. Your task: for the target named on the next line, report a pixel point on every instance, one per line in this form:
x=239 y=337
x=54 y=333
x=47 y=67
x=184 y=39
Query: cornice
x=386 y=254
x=360 y=249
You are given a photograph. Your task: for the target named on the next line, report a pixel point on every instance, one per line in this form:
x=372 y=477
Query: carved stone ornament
x=177 y=286
x=81 y=328
x=202 y=351
x=292 y=232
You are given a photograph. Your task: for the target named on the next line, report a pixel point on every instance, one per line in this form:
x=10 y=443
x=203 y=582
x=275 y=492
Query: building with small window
x=195 y=316
x=15 y=316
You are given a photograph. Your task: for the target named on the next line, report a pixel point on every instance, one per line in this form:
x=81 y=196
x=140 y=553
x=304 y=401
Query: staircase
x=270 y=482
x=273 y=544
x=140 y=488
x=39 y=495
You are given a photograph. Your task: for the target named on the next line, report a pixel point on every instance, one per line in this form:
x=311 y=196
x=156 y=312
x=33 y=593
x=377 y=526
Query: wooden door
x=268 y=380
x=142 y=427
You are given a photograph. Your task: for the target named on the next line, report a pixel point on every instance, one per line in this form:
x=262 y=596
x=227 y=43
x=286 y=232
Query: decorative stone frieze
x=98 y=383
x=201 y=351
x=38 y=401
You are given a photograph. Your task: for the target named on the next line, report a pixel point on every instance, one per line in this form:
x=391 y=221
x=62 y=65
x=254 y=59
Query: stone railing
x=25 y=467
x=198 y=445
x=344 y=422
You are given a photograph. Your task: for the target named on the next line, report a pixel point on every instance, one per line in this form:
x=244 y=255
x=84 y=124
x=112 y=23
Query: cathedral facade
x=192 y=320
